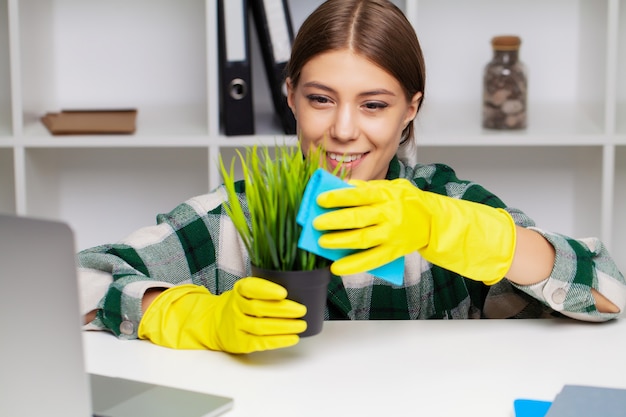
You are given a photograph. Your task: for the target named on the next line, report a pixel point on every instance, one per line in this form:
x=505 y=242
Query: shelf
x=436 y=125
x=181 y=121
x=106 y=193
x=621 y=70
x=7 y=189
x=564 y=65
x=547 y=183
x=161 y=58
x=550 y=124
x=260 y=140
x=618 y=247
x=566 y=80
x=160 y=69
x=114 y=141
x=5 y=72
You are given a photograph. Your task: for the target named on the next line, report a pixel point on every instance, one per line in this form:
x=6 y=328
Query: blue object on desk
x=322 y=181
x=531 y=408
x=586 y=401
x=577 y=401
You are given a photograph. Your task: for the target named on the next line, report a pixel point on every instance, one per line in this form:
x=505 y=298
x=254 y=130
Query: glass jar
x=505 y=86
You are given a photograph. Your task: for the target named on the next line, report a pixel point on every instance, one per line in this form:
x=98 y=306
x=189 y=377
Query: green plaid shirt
x=197 y=243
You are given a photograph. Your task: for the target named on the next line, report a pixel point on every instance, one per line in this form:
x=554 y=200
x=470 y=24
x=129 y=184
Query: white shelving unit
x=566 y=170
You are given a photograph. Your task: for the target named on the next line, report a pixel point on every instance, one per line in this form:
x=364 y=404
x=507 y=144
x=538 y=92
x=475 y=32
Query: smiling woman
x=389 y=87
x=355 y=84
x=358 y=115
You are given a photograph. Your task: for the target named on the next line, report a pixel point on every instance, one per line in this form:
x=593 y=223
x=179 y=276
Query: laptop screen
x=42 y=368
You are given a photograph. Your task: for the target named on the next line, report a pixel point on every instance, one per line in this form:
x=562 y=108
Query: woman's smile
x=347 y=161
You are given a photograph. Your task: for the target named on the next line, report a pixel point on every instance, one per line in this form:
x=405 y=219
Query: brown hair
x=374 y=29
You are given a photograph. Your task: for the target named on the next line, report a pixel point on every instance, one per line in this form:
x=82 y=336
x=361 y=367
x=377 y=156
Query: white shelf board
x=436 y=125
x=548 y=124
x=459 y=124
x=266 y=124
x=179 y=121
x=510 y=140
x=267 y=140
x=115 y=141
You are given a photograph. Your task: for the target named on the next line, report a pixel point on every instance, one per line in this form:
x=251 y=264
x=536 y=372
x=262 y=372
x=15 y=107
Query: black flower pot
x=305 y=287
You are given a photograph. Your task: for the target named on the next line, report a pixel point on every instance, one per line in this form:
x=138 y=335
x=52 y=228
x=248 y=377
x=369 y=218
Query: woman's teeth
x=344 y=158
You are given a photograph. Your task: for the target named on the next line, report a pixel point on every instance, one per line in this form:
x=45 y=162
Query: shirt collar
x=393 y=172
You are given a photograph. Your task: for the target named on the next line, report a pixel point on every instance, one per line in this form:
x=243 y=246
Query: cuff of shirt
x=131 y=308
x=561 y=293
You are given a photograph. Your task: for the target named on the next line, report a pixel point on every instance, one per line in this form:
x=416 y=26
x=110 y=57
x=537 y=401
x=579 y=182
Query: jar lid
x=506 y=43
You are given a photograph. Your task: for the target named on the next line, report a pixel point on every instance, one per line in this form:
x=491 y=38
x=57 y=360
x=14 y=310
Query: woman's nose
x=344 y=127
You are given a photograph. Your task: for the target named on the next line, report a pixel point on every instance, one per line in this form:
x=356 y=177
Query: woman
x=355 y=84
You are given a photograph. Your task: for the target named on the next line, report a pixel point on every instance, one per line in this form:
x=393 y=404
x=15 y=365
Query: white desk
x=387 y=368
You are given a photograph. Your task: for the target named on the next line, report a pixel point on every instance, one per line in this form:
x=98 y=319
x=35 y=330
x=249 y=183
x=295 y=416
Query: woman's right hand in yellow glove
x=392 y=218
x=255 y=315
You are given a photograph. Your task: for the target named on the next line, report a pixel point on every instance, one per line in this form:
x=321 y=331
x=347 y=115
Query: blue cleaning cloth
x=531 y=408
x=320 y=182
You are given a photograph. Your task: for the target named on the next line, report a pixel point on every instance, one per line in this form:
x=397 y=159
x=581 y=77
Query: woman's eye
x=375 y=105
x=318 y=99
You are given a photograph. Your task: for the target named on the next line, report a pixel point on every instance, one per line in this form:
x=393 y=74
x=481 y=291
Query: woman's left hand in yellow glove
x=390 y=219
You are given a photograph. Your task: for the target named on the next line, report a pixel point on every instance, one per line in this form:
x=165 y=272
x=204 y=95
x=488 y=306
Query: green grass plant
x=274 y=183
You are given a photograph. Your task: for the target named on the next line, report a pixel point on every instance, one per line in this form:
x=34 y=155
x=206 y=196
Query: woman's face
x=354 y=109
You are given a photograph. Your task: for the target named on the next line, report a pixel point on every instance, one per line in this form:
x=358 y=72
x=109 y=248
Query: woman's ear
x=413 y=107
x=290 y=95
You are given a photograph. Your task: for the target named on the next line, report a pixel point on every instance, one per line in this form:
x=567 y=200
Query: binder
x=274 y=28
x=236 y=106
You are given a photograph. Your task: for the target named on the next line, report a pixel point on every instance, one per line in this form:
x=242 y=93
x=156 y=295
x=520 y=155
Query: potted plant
x=265 y=218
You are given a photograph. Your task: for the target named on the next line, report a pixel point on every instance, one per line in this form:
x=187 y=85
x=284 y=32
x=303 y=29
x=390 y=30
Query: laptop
x=42 y=371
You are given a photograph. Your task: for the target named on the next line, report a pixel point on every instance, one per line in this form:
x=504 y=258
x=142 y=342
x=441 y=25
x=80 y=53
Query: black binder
x=275 y=31
x=237 y=110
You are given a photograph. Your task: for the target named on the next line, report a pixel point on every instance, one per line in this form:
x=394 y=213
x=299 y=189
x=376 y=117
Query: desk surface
x=387 y=368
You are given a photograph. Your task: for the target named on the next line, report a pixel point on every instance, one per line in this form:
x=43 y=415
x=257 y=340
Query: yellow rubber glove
x=255 y=315
x=394 y=218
